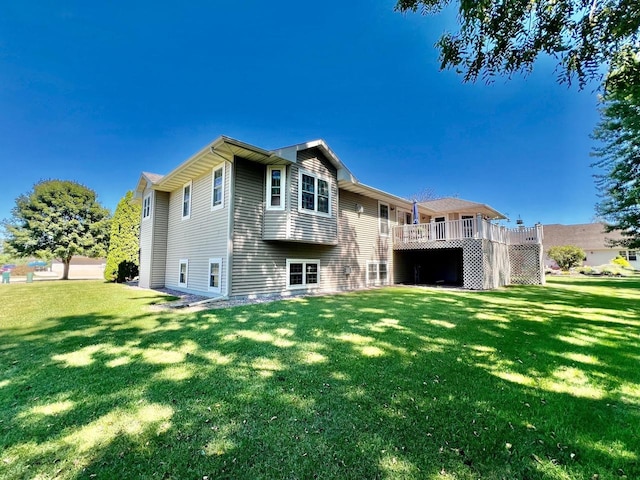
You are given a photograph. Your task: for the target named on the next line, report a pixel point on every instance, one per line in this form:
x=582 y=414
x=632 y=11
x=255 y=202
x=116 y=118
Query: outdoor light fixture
x=359 y=208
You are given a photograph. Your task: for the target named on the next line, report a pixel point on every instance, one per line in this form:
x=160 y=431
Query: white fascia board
x=291 y=154
x=380 y=195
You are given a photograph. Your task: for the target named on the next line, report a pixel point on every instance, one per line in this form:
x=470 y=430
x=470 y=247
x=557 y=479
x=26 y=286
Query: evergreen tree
x=59 y=219
x=619 y=153
x=122 y=259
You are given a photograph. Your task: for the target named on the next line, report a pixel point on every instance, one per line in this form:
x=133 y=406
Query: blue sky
x=97 y=93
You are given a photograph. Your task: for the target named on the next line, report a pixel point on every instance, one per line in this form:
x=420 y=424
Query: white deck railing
x=468 y=228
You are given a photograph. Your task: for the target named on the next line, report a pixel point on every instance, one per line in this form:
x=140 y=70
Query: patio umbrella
x=37 y=263
x=416 y=218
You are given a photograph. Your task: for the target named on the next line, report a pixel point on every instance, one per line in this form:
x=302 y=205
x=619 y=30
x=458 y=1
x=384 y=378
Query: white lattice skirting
x=487 y=265
x=526 y=264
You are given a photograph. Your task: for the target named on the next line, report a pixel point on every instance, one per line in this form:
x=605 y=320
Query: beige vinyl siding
x=254 y=271
x=275 y=224
x=293 y=225
x=146 y=241
x=202 y=236
x=360 y=241
x=308 y=227
x=259 y=267
x=160 y=217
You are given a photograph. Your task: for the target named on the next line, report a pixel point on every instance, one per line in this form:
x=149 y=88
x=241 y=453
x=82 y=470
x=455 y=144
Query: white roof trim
x=291 y=154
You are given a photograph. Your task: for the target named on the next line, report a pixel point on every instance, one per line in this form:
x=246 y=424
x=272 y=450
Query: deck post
x=480 y=225
x=539 y=233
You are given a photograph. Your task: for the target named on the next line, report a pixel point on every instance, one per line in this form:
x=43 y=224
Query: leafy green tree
x=618 y=132
x=124 y=240
x=567 y=256
x=58 y=219
x=506 y=37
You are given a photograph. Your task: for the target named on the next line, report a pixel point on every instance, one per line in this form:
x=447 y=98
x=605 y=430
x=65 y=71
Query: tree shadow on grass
x=393 y=383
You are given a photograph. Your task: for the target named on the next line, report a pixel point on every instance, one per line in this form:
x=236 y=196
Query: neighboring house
x=236 y=220
x=81 y=267
x=592 y=239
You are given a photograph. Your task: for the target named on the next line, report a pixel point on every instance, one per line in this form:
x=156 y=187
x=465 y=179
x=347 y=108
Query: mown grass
x=520 y=383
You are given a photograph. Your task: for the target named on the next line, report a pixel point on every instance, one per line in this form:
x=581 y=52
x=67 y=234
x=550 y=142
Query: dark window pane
x=307 y=201
x=308 y=184
x=323 y=188
x=323 y=204
x=295 y=274
x=312 y=273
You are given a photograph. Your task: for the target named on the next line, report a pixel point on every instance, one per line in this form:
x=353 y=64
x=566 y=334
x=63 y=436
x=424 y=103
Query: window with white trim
x=383 y=218
x=314 y=194
x=377 y=273
x=217 y=188
x=186 y=200
x=183 y=272
x=303 y=273
x=632 y=256
x=215 y=274
x=276 y=184
x=146 y=207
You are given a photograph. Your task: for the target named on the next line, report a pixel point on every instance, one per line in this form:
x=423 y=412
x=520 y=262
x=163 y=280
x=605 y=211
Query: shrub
x=567 y=256
x=126 y=271
x=586 y=270
x=613 y=270
x=621 y=261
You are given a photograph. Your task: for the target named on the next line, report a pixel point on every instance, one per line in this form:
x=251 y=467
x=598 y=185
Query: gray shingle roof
x=450 y=204
x=588 y=236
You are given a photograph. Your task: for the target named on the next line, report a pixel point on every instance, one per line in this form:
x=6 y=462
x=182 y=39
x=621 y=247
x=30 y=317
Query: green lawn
x=519 y=383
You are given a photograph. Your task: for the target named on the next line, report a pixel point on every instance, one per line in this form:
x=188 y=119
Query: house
x=81 y=267
x=236 y=220
x=590 y=237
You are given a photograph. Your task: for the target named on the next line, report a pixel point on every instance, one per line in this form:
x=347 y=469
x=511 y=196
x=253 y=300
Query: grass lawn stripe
x=536 y=382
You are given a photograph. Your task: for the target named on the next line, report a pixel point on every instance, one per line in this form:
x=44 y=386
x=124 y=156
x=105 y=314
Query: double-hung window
x=377 y=273
x=632 y=256
x=276 y=184
x=383 y=218
x=303 y=273
x=186 y=200
x=217 y=188
x=314 y=194
x=183 y=272
x=146 y=207
x=215 y=272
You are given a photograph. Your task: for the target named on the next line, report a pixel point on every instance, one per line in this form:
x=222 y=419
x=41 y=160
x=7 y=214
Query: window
x=623 y=254
x=146 y=207
x=303 y=273
x=215 y=271
x=183 y=273
x=314 y=194
x=632 y=256
x=276 y=183
x=383 y=218
x=377 y=273
x=217 y=188
x=186 y=200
